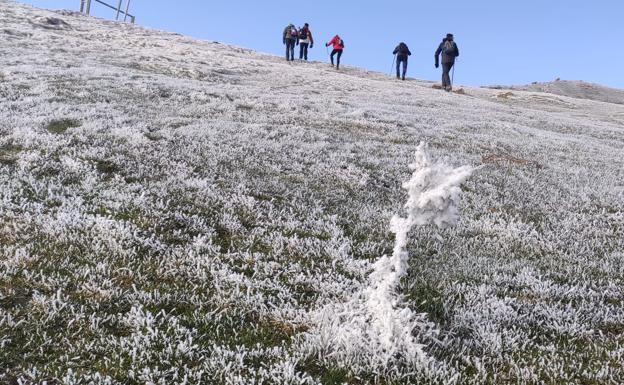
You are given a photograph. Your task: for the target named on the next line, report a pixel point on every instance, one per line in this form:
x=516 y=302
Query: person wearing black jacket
x=402 y=52
x=448 y=49
x=290 y=38
x=305 y=40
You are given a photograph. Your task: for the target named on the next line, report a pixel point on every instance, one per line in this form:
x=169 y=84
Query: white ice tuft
x=374 y=328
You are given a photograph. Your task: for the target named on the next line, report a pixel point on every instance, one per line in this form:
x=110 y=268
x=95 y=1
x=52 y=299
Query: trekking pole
x=453 y=75
x=391 y=68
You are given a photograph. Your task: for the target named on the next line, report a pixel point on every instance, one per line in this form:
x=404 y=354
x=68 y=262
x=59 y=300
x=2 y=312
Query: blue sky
x=500 y=41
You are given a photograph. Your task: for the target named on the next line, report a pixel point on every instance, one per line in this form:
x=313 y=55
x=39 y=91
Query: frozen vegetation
x=371 y=330
x=175 y=211
x=574 y=89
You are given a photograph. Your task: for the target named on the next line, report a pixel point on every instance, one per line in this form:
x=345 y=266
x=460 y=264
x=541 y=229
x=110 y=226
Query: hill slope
x=576 y=89
x=177 y=211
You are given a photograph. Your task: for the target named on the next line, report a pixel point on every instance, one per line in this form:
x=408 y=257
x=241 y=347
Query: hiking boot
x=403 y=78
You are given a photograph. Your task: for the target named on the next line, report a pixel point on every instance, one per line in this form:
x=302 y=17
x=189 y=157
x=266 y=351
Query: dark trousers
x=446 y=78
x=303 y=51
x=290 y=49
x=398 y=64
x=331 y=57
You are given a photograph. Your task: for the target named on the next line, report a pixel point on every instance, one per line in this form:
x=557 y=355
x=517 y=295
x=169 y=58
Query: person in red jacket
x=338 y=44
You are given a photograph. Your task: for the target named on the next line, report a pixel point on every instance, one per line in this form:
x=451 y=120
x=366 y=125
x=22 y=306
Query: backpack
x=340 y=42
x=449 y=48
x=288 y=32
x=403 y=50
x=303 y=34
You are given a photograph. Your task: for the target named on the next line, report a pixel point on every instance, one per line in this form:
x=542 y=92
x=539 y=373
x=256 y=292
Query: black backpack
x=341 y=42
x=303 y=34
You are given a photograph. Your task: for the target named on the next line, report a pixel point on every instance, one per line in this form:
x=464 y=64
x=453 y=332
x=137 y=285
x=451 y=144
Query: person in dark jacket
x=305 y=40
x=448 y=49
x=290 y=38
x=402 y=52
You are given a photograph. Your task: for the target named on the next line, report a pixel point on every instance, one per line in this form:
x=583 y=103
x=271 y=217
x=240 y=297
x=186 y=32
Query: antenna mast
x=85 y=7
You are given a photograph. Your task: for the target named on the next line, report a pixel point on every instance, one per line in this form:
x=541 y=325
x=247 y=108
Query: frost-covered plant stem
x=372 y=328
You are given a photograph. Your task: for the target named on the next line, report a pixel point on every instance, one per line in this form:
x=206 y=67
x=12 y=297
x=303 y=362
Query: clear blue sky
x=500 y=41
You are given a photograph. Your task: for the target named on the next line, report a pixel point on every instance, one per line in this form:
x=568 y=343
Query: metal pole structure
x=88 y=7
x=82 y=4
x=118 y=9
x=127 y=7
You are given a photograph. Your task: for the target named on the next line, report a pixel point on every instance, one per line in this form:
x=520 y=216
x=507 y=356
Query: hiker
x=305 y=40
x=338 y=44
x=402 y=52
x=290 y=38
x=449 y=52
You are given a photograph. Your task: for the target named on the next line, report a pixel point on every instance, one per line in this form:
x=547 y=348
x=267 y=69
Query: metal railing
x=85 y=7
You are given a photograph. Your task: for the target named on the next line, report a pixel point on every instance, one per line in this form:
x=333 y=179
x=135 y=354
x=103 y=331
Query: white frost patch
x=374 y=327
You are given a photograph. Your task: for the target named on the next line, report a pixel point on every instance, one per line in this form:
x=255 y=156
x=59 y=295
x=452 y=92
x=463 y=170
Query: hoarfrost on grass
x=187 y=216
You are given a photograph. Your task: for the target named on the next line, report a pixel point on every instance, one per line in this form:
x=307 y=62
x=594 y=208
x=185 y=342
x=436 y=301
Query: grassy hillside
x=179 y=211
x=575 y=89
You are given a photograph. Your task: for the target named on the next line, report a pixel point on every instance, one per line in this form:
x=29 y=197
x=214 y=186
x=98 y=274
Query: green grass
x=107 y=167
x=62 y=125
x=9 y=154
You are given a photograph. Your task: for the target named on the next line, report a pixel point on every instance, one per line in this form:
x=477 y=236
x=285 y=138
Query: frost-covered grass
x=178 y=211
